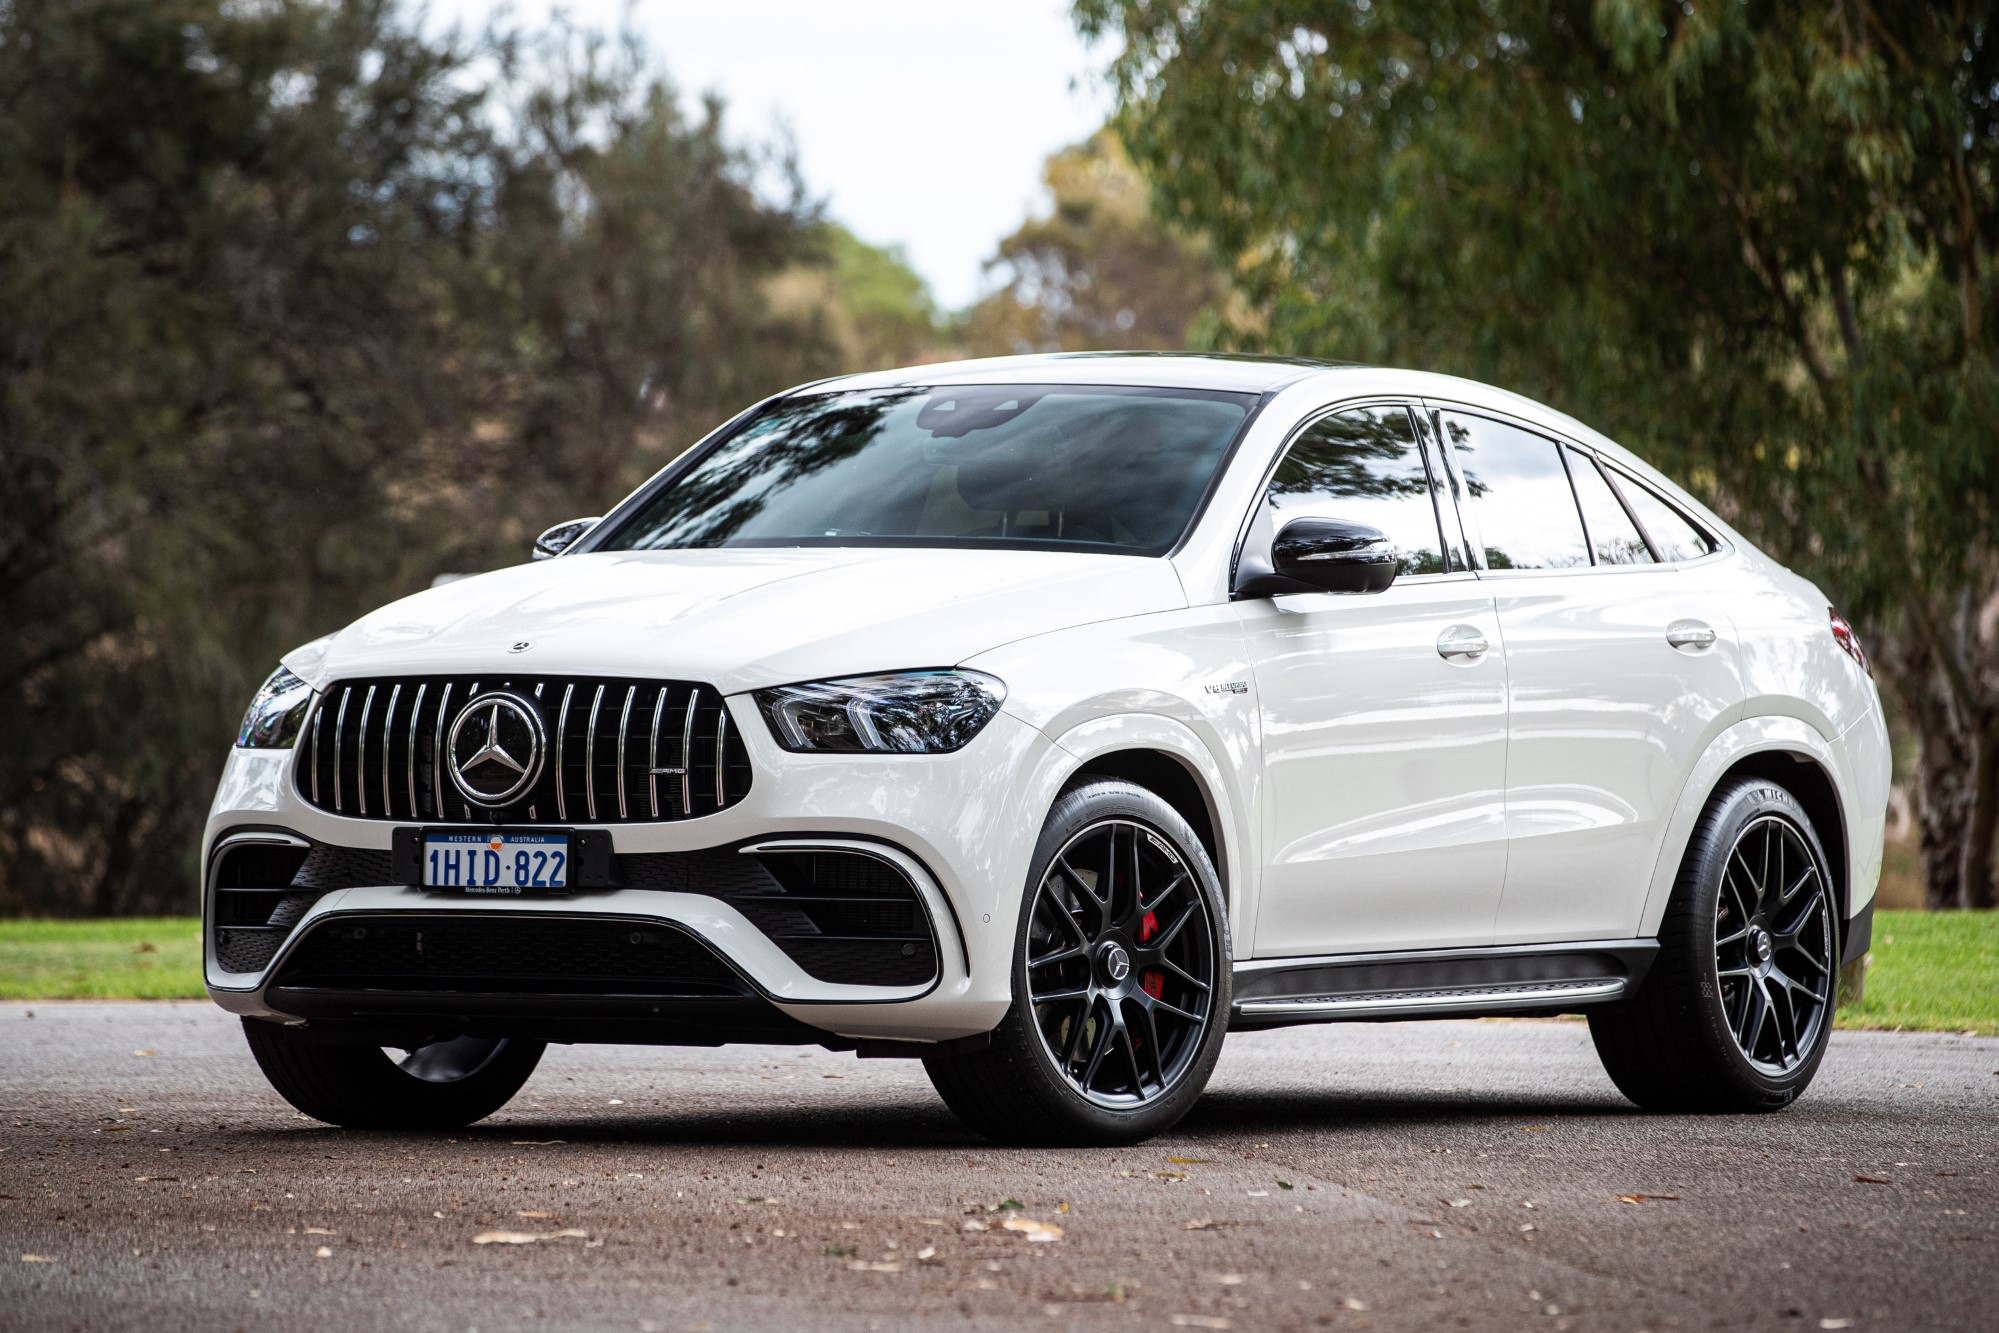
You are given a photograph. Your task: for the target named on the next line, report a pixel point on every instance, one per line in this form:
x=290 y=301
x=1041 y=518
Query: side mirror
x=561 y=537
x=1320 y=555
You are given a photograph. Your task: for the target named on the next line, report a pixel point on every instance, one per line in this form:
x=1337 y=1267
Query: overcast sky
x=920 y=122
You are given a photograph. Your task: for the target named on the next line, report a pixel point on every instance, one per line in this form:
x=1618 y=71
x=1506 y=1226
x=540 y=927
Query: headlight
x=275 y=714
x=909 y=712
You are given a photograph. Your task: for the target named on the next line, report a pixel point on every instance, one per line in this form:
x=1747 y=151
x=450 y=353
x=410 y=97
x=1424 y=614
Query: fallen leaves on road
x=534 y=1143
x=1039 y=1232
x=1647 y=1198
x=523 y=1212
x=145 y=1052
x=1170 y=1175
x=1198 y=1321
x=156 y=1178
x=322 y=1253
x=1535 y=1129
x=320 y=1231
x=1837 y=1323
x=1192 y=1161
x=1865 y=1179
x=1352 y=1303
x=1466 y=1203
x=527 y=1237
x=1208 y=1224
x=884 y=1266
x=926 y=1254
x=37 y=1259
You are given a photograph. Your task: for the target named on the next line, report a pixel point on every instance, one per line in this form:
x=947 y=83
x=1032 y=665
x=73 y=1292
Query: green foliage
x=1753 y=242
x=1098 y=272
x=299 y=308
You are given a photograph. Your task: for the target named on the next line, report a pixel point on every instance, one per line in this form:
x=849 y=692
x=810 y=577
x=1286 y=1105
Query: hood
x=740 y=619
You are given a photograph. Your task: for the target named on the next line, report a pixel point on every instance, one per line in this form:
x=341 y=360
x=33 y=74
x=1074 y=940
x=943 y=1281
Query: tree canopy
x=1752 y=241
x=299 y=307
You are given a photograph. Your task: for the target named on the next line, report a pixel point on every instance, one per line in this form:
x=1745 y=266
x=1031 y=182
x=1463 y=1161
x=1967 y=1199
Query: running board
x=1439 y=983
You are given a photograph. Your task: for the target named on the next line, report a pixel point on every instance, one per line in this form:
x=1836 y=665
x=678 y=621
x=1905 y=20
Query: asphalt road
x=1390 y=1176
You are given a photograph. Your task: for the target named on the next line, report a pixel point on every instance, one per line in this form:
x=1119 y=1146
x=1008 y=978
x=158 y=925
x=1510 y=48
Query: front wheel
x=1121 y=977
x=1737 y=1010
x=443 y=1085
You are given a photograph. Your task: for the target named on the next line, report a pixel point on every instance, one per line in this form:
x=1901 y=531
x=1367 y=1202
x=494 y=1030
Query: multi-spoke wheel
x=1736 y=1011
x=1120 y=980
x=1773 y=944
x=439 y=1085
x=1120 y=963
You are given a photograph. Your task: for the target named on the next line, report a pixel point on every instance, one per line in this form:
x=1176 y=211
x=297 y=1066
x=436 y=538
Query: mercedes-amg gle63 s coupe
x=1045 y=719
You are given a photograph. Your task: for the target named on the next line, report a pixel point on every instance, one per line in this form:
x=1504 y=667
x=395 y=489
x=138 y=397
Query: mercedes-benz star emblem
x=495 y=748
x=1117 y=963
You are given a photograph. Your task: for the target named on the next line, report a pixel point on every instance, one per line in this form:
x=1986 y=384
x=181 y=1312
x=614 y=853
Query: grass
x=1932 y=971
x=136 y=958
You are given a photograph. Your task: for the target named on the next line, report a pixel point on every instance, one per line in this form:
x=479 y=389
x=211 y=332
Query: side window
x=1612 y=535
x=1362 y=466
x=1672 y=535
x=1520 y=495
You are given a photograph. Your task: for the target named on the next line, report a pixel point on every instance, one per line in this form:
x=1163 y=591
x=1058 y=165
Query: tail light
x=1843 y=634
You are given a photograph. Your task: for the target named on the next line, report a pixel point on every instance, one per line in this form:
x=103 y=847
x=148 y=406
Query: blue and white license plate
x=496 y=862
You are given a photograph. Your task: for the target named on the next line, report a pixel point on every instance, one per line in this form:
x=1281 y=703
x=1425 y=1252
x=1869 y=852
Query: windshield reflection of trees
x=731 y=487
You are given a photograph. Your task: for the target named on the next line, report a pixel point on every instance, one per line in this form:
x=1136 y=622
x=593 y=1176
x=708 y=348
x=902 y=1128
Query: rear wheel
x=1737 y=1010
x=1120 y=981
x=442 y=1085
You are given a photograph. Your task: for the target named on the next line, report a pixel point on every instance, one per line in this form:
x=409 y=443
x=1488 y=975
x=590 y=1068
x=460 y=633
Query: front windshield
x=1039 y=466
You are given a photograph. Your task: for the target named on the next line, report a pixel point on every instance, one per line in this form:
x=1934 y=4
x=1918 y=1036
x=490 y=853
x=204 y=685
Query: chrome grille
x=371 y=750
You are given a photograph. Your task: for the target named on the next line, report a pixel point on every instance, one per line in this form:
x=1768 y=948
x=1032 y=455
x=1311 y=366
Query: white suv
x=1045 y=719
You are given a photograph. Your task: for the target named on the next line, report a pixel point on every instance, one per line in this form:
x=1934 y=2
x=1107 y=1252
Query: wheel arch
x=1784 y=750
x=1169 y=778
x=1172 y=761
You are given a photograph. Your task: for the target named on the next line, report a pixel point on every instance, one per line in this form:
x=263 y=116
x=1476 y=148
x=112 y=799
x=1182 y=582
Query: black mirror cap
x=561 y=537
x=1322 y=555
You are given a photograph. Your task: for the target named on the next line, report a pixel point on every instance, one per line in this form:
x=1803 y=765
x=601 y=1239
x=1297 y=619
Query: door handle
x=1690 y=636
x=1462 y=643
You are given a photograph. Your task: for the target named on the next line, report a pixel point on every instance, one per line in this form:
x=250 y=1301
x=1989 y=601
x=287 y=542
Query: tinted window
x=1612 y=535
x=999 y=465
x=1520 y=494
x=1362 y=466
x=1673 y=535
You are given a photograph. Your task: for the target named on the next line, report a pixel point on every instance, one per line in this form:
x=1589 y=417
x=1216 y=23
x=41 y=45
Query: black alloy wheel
x=1121 y=978
x=1120 y=963
x=1773 y=945
x=444 y=1084
x=1735 y=1013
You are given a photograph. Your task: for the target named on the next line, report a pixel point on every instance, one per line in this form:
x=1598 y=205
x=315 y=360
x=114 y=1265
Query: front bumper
x=960 y=827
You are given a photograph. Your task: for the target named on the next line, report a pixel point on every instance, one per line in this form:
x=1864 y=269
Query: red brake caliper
x=1153 y=983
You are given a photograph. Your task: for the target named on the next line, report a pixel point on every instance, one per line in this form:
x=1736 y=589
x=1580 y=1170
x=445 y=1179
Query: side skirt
x=1518 y=980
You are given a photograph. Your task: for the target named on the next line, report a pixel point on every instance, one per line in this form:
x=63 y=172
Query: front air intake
x=596 y=751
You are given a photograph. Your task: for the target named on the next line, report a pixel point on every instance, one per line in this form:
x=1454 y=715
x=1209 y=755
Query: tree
x=1753 y=241
x=298 y=307
x=1098 y=272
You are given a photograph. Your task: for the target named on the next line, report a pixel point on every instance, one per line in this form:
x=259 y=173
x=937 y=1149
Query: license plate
x=496 y=862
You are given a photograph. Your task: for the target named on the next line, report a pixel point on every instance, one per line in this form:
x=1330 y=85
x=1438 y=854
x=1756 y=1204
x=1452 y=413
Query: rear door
x=1620 y=668
x=1383 y=715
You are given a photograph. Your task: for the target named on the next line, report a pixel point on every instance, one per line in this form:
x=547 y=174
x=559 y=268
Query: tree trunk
x=1946 y=779
x=1976 y=872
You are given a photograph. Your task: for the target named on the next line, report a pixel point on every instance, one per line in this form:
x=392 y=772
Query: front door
x=1383 y=715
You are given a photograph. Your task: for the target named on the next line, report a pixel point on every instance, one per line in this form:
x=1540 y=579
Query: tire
x=445 y=1085
x=1137 y=1044
x=1730 y=948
